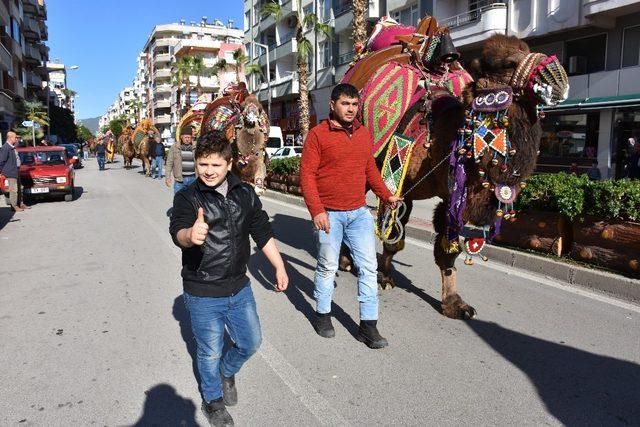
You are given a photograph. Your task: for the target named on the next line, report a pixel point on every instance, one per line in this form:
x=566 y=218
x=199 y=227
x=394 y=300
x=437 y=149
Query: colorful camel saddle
x=385 y=100
x=394 y=170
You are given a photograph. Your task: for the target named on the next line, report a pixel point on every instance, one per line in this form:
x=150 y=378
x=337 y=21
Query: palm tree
x=359 y=24
x=37 y=113
x=182 y=72
x=136 y=105
x=253 y=70
x=305 y=22
x=200 y=70
x=68 y=94
x=240 y=61
x=221 y=66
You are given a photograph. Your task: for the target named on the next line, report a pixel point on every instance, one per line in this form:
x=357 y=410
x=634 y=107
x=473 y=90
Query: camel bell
x=448 y=52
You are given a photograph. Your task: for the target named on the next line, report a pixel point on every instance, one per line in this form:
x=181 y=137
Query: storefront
x=286 y=115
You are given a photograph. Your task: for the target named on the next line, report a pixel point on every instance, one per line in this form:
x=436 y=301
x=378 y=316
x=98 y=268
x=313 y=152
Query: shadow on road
x=295 y=232
x=577 y=387
x=36 y=200
x=164 y=407
x=181 y=314
x=6 y=215
x=402 y=282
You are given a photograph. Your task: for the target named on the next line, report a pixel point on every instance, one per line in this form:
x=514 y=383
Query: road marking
x=313 y=401
x=514 y=271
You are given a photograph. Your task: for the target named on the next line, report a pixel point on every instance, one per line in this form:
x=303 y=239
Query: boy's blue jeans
x=356 y=227
x=156 y=167
x=186 y=180
x=101 y=159
x=209 y=316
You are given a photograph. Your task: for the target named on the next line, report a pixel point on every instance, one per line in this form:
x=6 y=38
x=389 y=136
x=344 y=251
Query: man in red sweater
x=336 y=167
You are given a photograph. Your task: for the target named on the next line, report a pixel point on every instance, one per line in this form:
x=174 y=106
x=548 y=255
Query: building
x=23 y=56
x=598 y=42
x=165 y=99
x=59 y=93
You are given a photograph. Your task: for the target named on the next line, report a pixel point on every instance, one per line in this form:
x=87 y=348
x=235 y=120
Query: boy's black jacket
x=218 y=268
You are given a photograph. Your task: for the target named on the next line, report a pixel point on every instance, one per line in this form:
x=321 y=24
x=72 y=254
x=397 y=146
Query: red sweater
x=336 y=168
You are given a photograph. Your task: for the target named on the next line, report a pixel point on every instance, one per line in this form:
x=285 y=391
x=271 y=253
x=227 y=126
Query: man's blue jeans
x=101 y=158
x=209 y=316
x=186 y=180
x=356 y=228
x=156 y=167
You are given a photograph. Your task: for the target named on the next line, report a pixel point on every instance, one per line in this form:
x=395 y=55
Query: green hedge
x=288 y=166
x=576 y=196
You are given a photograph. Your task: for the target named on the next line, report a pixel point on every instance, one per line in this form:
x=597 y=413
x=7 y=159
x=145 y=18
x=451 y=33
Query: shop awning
x=598 y=103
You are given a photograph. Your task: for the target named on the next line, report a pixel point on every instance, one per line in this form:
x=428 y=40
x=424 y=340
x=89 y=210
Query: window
x=631 y=47
x=325 y=54
x=247 y=19
x=324 y=10
x=15 y=30
x=570 y=135
x=586 y=55
x=407 y=16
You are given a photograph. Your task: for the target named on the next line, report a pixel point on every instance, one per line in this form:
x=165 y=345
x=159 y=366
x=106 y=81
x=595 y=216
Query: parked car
x=44 y=172
x=73 y=155
x=275 y=141
x=285 y=152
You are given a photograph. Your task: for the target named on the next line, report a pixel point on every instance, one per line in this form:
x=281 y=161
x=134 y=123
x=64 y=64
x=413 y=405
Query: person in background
x=10 y=168
x=101 y=152
x=594 y=173
x=180 y=163
x=157 y=157
x=573 y=169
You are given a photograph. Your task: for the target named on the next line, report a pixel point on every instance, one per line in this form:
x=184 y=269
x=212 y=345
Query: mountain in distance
x=91 y=124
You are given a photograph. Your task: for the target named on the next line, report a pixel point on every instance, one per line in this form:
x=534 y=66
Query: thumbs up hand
x=198 y=232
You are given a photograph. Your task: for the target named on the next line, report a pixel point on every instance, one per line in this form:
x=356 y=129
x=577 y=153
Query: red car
x=44 y=172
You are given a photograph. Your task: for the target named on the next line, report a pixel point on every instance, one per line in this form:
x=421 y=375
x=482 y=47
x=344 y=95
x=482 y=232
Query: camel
x=473 y=178
x=241 y=116
x=125 y=142
x=142 y=137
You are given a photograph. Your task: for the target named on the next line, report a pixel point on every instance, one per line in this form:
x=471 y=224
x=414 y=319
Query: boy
x=211 y=222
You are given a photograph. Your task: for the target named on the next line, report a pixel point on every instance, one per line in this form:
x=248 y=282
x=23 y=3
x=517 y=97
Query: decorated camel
x=125 y=144
x=438 y=132
x=144 y=133
x=243 y=120
x=110 y=144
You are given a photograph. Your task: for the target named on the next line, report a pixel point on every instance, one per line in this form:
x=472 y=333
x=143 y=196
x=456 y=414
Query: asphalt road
x=94 y=331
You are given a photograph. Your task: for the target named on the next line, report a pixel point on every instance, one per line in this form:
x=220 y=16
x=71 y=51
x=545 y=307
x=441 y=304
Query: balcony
x=12 y=46
x=167 y=41
x=282 y=87
x=163 y=73
x=30 y=6
x=477 y=25
x=610 y=8
x=34 y=80
x=163 y=89
x=6 y=103
x=33 y=53
x=32 y=29
x=343 y=20
x=162 y=103
x=6 y=60
x=162 y=57
x=162 y=119
x=193 y=46
x=287 y=47
x=209 y=82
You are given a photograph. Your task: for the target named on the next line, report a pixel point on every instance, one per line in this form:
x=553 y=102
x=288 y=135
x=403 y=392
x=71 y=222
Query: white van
x=276 y=141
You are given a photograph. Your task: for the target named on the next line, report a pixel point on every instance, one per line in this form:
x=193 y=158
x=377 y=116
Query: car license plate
x=39 y=190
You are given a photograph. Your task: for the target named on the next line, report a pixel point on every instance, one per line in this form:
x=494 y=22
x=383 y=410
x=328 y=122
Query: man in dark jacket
x=9 y=167
x=211 y=222
x=101 y=152
x=156 y=151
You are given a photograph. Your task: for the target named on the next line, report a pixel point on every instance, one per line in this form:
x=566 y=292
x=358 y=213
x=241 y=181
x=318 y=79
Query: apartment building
x=598 y=41
x=23 y=55
x=165 y=46
x=125 y=105
x=58 y=95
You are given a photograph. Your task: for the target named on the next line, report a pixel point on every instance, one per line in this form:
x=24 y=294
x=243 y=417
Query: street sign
x=27 y=123
x=36 y=125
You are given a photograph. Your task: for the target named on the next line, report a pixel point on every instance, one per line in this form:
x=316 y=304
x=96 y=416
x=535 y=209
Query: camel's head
x=251 y=134
x=536 y=76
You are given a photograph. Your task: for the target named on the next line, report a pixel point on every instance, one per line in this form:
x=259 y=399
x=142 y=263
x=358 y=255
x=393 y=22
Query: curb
x=576 y=275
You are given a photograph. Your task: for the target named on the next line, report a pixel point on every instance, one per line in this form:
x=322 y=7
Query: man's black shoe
x=229 y=391
x=216 y=413
x=368 y=334
x=323 y=325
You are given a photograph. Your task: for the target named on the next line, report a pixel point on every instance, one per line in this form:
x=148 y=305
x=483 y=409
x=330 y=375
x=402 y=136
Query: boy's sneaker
x=368 y=334
x=229 y=391
x=323 y=325
x=216 y=413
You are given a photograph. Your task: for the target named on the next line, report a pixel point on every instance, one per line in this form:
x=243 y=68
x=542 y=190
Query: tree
x=116 y=125
x=200 y=70
x=62 y=123
x=136 y=105
x=182 y=73
x=83 y=133
x=359 y=23
x=305 y=22
x=35 y=112
x=221 y=66
x=68 y=94
x=240 y=59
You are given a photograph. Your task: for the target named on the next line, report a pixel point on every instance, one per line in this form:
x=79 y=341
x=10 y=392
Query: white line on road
x=513 y=271
x=289 y=375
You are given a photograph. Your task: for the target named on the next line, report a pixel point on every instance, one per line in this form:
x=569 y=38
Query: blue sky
x=104 y=38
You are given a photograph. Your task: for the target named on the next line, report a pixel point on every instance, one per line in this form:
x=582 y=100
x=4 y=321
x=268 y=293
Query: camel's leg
x=147 y=166
x=452 y=304
x=389 y=250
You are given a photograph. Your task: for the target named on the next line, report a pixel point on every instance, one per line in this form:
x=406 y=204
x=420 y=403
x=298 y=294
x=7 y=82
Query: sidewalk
x=420 y=228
